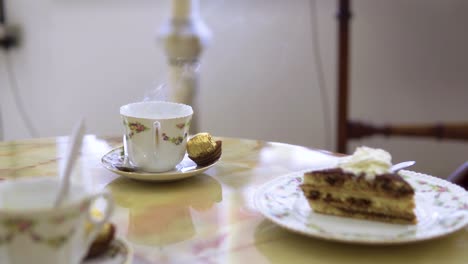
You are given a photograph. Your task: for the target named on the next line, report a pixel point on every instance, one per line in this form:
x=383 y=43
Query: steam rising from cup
x=159 y=93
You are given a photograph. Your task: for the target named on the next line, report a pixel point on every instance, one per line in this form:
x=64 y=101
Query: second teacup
x=156 y=134
x=33 y=231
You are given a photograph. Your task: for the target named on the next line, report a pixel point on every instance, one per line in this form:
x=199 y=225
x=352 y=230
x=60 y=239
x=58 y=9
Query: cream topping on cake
x=369 y=161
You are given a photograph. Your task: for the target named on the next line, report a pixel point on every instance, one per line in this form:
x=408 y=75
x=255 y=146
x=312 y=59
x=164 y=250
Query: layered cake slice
x=361 y=186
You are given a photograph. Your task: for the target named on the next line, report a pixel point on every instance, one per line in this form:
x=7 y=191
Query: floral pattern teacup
x=155 y=138
x=33 y=231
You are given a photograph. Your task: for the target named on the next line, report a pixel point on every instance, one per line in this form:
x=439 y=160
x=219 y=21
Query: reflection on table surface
x=210 y=218
x=160 y=214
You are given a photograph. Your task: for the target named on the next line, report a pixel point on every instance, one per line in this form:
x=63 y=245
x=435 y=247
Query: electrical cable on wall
x=320 y=74
x=2 y=22
x=9 y=39
x=13 y=84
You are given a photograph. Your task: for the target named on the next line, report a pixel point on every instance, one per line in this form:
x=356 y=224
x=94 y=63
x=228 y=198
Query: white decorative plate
x=441 y=209
x=119 y=252
x=114 y=161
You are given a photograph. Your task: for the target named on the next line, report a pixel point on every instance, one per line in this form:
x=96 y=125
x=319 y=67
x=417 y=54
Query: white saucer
x=119 y=252
x=114 y=161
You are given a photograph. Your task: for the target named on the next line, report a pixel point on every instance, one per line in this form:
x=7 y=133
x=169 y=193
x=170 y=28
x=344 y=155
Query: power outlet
x=9 y=36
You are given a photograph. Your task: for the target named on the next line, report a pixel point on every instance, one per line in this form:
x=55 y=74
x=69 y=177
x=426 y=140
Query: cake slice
x=362 y=187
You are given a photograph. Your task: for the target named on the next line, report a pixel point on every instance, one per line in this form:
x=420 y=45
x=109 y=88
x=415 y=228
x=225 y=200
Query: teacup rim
x=72 y=205
x=156 y=102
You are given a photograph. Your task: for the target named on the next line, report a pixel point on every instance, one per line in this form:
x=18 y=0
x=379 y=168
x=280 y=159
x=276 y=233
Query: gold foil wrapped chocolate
x=203 y=149
x=199 y=144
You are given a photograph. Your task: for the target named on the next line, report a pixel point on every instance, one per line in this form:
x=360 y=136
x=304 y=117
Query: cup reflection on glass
x=161 y=214
x=156 y=134
x=33 y=231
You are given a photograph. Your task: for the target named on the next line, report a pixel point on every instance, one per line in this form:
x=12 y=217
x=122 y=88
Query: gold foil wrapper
x=200 y=144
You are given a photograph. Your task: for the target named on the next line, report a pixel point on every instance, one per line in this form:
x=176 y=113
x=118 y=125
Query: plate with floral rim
x=114 y=161
x=119 y=252
x=441 y=209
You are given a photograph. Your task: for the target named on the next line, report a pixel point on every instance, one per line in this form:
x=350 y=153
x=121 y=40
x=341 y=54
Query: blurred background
x=269 y=72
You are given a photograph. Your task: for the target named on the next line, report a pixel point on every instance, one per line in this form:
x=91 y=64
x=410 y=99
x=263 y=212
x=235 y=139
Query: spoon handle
x=402 y=165
x=76 y=139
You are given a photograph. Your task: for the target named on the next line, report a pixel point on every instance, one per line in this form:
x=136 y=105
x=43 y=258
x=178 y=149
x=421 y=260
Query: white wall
x=259 y=79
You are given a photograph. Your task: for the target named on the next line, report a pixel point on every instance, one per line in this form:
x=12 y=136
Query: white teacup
x=33 y=231
x=156 y=134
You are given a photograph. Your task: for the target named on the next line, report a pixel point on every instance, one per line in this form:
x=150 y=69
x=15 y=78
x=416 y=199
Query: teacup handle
x=156 y=129
x=97 y=224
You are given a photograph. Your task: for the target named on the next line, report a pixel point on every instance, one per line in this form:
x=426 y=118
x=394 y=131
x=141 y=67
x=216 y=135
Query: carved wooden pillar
x=184 y=37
